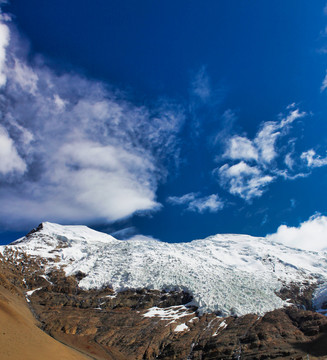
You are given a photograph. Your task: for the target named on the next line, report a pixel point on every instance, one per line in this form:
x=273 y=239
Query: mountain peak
x=68 y=233
x=226 y=273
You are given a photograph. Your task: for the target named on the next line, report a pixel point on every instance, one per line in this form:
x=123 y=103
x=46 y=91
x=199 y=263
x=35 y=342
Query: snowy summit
x=227 y=274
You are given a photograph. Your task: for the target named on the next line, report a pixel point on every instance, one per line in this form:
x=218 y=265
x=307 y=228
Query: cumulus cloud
x=309 y=235
x=194 y=202
x=256 y=169
x=239 y=147
x=312 y=159
x=263 y=147
x=74 y=151
x=244 y=180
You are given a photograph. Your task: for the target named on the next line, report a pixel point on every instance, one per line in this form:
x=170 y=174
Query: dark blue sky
x=229 y=72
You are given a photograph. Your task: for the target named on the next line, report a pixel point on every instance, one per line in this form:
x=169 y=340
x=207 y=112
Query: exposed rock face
x=299 y=294
x=149 y=324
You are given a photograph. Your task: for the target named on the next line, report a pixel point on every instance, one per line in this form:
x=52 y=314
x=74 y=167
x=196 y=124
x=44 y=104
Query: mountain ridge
x=112 y=319
x=225 y=273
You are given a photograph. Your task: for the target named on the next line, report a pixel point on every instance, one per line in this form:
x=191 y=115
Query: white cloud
x=10 y=161
x=265 y=141
x=122 y=234
x=59 y=102
x=106 y=180
x=239 y=148
x=289 y=161
x=292 y=116
x=196 y=203
x=312 y=159
x=24 y=76
x=309 y=235
x=291 y=106
x=324 y=84
x=244 y=180
x=266 y=138
x=4 y=40
x=263 y=147
x=211 y=203
x=287 y=176
x=257 y=169
x=181 y=200
x=73 y=151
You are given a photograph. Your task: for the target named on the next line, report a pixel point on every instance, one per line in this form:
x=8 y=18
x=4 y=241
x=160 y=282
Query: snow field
x=227 y=274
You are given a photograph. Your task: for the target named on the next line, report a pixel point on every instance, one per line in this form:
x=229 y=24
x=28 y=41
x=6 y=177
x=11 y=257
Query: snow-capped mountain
x=228 y=273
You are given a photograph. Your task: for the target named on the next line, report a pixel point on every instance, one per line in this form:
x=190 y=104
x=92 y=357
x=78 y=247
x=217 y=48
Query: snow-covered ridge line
x=227 y=273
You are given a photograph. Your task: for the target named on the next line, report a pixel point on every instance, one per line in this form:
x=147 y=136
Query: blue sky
x=176 y=120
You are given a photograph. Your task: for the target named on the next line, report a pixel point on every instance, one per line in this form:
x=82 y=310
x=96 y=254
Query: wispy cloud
x=255 y=168
x=309 y=235
x=4 y=41
x=204 y=101
x=194 y=202
x=289 y=161
x=200 y=85
x=324 y=84
x=123 y=234
x=228 y=120
x=72 y=150
x=10 y=161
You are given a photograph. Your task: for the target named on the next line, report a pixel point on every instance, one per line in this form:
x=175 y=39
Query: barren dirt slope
x=20 y=338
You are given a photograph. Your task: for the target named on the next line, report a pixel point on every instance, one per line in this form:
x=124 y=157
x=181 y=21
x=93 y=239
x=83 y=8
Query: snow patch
x=171 y=313
x=223 y=325
x=30 y=292
x=195 y=318
x=111 y=296
x=47 y=279
x=181 y=328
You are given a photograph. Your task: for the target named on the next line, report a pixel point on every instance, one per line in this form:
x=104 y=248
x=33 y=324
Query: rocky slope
x=143 y=323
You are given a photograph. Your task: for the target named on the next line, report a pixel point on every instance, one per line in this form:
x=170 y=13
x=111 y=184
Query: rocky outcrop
x=299 y=294
x=152 y=324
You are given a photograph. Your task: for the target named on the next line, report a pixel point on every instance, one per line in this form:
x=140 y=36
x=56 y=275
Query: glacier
x=225 y=273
